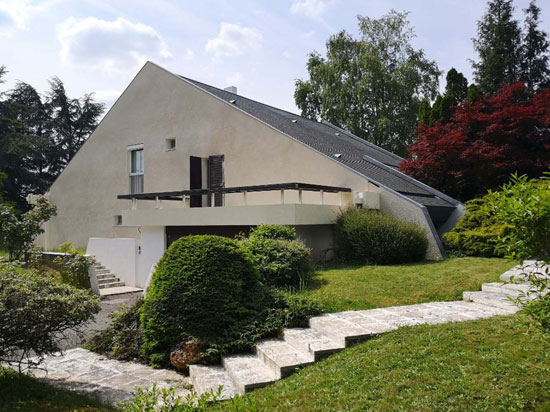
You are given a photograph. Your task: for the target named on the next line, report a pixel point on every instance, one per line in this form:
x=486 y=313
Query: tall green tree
x=373 y=85
x=498 y=45
x=535 y=70
x=424 y=111
x=456 y=86
x=39 y=135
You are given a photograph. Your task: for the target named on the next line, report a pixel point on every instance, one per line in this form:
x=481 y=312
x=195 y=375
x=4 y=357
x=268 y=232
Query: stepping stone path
x=275 y=359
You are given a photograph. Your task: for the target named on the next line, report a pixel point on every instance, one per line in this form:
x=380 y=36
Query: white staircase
x=110 y=285
x=275 y=359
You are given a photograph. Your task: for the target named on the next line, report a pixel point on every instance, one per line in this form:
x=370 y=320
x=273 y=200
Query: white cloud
x=14 y=13
x=189 y=55
x=109 y=46
x=313 y=9
x=234 y=79
x=233 y=40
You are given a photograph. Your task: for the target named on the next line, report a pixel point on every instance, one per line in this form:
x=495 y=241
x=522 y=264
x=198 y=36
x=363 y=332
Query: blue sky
x=259 y=46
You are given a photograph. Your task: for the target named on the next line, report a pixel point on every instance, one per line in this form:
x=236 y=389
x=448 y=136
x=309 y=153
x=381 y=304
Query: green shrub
x=477 y=233
x=273 y=232
x=282 y=309
x=74 y=269
x=365 y=236
x=202 y=287
x=17 y=232
x=65 y=247
x=123 y=337
x=36 y=311
x=282 y=263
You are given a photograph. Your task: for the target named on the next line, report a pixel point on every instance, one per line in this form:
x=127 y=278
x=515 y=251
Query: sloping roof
x=364 y=157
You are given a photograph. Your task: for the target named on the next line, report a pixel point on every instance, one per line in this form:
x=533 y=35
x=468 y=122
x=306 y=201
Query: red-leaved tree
x=484 y=143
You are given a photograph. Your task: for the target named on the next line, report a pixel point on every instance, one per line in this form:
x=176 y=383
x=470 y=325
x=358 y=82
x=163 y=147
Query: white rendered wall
x=116 y=254
x=153 y=244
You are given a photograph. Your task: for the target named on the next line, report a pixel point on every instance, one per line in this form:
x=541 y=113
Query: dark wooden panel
x=216 y=179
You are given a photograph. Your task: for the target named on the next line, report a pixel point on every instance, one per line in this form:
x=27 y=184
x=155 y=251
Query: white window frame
x=131 y=150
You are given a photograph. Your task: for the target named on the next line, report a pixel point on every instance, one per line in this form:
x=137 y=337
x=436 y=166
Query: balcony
x=284 y=203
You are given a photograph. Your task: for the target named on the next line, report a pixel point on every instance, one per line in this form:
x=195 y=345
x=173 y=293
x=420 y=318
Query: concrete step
x=129 y=293
x=109 y=279
x=248 y=372
x=496 y=300
x=308 y=340
x=111 y=285
x=513 y=290
x=102 y=271
x=106 y=276
x=282 y=358
x=339 y=330
x=519 y=273
x=98 y=266
x=210 y=378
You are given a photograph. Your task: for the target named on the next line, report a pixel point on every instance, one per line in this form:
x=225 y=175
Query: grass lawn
x=498 y=364
x=355 y=288
x=23 y=393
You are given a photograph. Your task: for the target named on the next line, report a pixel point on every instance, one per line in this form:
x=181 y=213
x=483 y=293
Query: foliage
x=456 y=86
x=478 y=232
x=343 y=287
x=18 y=233
x=273 y=232
x=281 y=310
x=74 y=269
x=371 y=86
x=498 y=45
x=536 y=301
x=281 y=263
x=36 y=311
x=39 y=135
x=524 y=204
x=123 y=337
x=23 y=393
x=462 y=366
x=534 y=68
x=202 y=287
x=365 y=236
x=65 y=247
x=484 y=143
x=166 y=400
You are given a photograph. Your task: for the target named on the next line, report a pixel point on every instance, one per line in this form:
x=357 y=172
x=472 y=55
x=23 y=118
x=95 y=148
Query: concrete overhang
x=290 y=214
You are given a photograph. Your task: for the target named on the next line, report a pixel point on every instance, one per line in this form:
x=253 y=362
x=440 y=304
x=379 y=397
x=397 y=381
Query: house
x=174 y=156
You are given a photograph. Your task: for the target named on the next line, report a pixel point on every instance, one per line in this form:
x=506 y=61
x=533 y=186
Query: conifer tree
x=498 y=45
x=535 y=71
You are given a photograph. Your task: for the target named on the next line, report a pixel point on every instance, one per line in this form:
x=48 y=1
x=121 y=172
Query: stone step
x=99 y=266
x=339 y=330
x=282 y=358
x=128 y=293
x=248 y=372
x=111 y=285
x=496 y=300
x=102 y=271
x=513 y=290
x=306 y=339
x=109 y=279
x=518 y=274
x=209 y=378
x=106 y=276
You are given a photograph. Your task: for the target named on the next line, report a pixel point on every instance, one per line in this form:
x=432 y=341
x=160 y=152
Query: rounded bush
x=202 y=287
x=369 y=237
x=282 y=263
x=273 y=232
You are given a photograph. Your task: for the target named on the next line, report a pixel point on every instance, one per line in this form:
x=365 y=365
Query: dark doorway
x=195 y=180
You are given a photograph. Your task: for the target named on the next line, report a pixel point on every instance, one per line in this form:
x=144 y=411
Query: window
x=136 y=171
x=117 y=220
x=170 y=144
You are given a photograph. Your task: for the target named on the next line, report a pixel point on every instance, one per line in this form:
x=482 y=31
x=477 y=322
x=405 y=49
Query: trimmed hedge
x=368 y=237
x=282 y=263
x=273 y=232
x=477 y=233
x=202 y=287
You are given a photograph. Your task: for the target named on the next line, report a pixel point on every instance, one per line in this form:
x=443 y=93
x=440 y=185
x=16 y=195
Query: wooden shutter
x=216 y=178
